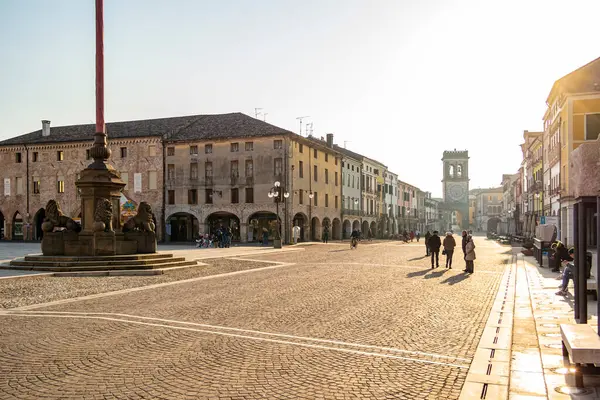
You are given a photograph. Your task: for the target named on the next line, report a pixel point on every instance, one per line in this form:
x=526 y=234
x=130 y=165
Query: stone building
x=488 y=209
x=220 y=170
x=372 y=182
x=45 y=164
x=352 y=211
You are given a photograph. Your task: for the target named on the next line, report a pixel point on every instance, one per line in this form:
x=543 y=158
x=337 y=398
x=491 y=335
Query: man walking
x=449 y=245
x=418 y=235
x=427 y=237
x=435 y=243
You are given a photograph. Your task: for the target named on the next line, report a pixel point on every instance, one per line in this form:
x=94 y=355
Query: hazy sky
x=400 y=80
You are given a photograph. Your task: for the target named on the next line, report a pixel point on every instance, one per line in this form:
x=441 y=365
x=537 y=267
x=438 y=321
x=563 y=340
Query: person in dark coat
x=464 y=243
x=435 y=243
x=560 y=254
x=427 y=237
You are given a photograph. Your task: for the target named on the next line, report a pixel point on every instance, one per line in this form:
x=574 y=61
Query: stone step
x=128 y=257
x=108 y=262
x=90 y=268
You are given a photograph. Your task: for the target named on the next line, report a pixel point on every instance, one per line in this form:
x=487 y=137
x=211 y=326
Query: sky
x=399 y=81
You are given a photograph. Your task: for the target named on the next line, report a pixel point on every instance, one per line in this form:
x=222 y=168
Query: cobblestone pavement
x=373 y=323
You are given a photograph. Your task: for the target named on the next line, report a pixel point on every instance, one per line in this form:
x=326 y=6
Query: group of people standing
x=433 y=244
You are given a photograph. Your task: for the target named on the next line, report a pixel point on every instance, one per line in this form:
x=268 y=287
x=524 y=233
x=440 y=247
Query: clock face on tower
x=456 y=191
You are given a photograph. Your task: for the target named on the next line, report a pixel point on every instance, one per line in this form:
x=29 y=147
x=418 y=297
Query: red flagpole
x=100 y=66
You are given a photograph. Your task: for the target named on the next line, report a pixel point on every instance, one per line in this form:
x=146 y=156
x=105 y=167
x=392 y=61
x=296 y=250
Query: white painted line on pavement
x=312 y=346
x=282 y=335
x=140 y=288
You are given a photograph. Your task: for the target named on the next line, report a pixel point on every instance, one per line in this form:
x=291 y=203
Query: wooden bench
x=582 y=344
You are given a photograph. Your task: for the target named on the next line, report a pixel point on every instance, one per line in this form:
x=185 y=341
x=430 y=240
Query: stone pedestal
x=105 y=244
x=146 y=241
x=53 y=244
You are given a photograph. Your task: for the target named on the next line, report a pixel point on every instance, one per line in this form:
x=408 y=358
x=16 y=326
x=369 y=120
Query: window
x=278 y=144
x=171 y=196
x=592 y=126
x=326 y=157
x=170 y=172
x=301 y=197
x=343 y=179
x=19 y=185
x=278 y=168
x=336 y=161
x=235 y=195
x=194 y=171
x=208 y=196
x=301 y=150
x=316 y=199
x=152 y=180
x=192 y=196
x=326 y=200
x=170 y=151
x=123 y=152
x=249 y=146
x=249 y=195
x=336 y=178
x=35 y=156
x=152 y=151
x=87 y=154
x=36 y=185
x=300 y=170
x=208 y=171
x=60 y=185
x=352 y=180
x=249 y=168
x=234 y=167
x=315 y=153
x=208 y=148
x=315 y=172
x=234 y=147
x=125 y=178
x=489 y=198
x=193 y=150
x=326 y=175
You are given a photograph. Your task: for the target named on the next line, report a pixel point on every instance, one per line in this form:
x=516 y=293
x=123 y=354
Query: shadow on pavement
x=418 y=258
x=336 y=251
x=436 y=274
x=417 y=273
x=452 y=280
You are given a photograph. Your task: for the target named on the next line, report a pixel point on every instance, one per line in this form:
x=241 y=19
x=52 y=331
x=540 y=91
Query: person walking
x=412 y=236
x=427 y=237
x=435 y=243
x=325 y=234
x=418 y=235
x=449 y=245
x=470 y=254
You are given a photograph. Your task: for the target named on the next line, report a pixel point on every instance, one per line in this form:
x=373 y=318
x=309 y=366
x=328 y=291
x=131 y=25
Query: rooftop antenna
x=346 y=142
x=300 y=119
x=257 y=112
x=309 y=129
x=265 y=117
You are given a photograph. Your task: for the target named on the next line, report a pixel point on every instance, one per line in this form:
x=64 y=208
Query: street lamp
x=274 y=193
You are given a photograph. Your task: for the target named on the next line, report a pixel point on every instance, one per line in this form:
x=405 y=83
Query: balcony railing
x=347 y=211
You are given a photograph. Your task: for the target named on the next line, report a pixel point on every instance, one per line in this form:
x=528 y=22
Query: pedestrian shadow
x=436 y=274
x=418 y=258
x=454 y=279
x=417 y=273
x=336 y=251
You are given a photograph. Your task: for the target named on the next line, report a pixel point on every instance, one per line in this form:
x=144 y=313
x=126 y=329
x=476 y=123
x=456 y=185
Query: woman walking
x=449 y=245
x=470 y=254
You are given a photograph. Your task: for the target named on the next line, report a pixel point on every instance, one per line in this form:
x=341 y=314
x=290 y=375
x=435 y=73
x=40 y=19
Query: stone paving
x=324 y=323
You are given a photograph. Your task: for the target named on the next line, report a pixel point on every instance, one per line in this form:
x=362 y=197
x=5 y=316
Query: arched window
x=459 y=170
x=451 y=171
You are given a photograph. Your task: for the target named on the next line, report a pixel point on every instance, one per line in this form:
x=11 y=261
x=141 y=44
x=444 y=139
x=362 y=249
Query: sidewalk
x=535 y=368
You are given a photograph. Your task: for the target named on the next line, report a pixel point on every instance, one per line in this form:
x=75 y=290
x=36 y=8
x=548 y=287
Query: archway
x=1 y=225
x=346 y=229
x=261 y=222
x=365 y=229
x=301 y=221
x=356 y=225
x=38 y=219
x=182 y=227
x=325 y=227
x=17 y=227
x=373 y=229
x=336 y=229
x=492 y=224
x=315 y=229
x=225 y=220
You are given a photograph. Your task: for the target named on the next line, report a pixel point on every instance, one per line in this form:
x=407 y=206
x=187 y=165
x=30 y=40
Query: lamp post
x=275 y=193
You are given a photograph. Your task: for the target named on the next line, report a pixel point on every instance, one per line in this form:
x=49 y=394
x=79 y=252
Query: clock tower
x=456 y=184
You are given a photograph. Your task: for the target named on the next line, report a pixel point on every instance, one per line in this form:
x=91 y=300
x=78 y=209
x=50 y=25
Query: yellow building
x=574 y=105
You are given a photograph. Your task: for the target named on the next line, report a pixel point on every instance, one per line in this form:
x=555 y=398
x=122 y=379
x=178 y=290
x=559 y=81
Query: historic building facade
x=489 y=209
x=352 y=211
x=45 y=165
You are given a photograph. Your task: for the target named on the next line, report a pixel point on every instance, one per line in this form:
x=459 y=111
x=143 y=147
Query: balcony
x=249 y=180
x=347 y=211
x=554 y=155
x=234 y=179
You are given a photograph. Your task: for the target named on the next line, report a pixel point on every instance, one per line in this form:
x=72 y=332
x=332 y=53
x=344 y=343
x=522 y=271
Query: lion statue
x=103 y=216
x=143 y=220
x=56 y=219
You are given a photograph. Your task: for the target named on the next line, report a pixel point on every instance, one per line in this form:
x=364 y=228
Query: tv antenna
x=265 y=117
x=309 y=129
x=300 y=119
x=257 y=112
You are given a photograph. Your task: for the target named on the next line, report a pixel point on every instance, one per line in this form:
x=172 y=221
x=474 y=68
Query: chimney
x=45 y=127
x=330 y=139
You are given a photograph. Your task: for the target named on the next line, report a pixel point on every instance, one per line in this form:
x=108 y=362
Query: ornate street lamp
x=274 y=193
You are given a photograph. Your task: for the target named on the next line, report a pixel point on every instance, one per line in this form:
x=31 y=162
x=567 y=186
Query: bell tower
x=456 y=184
